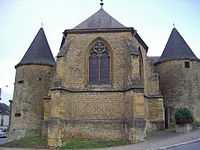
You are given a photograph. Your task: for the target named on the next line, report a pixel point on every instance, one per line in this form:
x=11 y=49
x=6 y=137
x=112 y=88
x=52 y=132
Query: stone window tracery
x=99 y=64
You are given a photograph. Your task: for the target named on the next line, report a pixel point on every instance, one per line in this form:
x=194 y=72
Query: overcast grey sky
x=20 y=21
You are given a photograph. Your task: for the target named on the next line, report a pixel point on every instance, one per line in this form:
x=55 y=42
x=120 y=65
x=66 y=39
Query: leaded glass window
x=99 y=64
x=93 y=72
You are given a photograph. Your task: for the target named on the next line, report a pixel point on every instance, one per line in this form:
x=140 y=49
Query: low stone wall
x=183 y=128
x=62 y=131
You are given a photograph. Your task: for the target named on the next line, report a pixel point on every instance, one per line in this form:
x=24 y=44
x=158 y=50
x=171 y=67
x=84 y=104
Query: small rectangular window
x=187 y=64
x=20 y=81
x=17 y=115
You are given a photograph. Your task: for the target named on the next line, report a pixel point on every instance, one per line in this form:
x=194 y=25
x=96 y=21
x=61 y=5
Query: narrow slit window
x=17 y=115
x=20 y=81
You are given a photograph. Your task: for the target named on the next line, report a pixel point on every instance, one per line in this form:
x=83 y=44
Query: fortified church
x=102 y=86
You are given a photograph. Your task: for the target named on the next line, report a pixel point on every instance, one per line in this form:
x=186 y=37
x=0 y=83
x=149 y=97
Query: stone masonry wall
x=31 y=85
x=155 y=113
x=115 y=111
x=87 y=105
x=96 y=116
x=180 y=86
x=75 y=62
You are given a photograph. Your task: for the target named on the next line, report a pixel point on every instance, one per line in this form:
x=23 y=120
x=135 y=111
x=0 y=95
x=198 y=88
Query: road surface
x=191 y=146
x=2 y=140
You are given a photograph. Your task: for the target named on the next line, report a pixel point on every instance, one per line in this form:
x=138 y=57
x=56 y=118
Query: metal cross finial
x=41 y=25
x=173 y=25
x=101 y=3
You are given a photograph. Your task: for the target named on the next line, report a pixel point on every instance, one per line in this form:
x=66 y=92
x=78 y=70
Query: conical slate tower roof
x=101 y=19
x=4 y=109
x=39 y=51
x=176 y=48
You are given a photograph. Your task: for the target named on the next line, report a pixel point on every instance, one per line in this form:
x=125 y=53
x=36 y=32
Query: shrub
x=183 y=116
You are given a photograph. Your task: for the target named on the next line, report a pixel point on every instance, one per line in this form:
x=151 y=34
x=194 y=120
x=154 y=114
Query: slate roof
x=176 y=48
x=101 y=22
x=39 y=51
x=154 y=59
x=101 y=19
x=4 y=109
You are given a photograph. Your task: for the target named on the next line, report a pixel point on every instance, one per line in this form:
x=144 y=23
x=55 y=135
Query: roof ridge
x=112 y=17
x=100 y=19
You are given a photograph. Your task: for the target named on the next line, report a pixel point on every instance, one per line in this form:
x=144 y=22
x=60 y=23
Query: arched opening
x=99 y=64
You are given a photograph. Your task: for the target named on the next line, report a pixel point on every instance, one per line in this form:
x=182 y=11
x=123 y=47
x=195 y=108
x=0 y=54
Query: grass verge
x=41 y=143
x=28 y=142
x=92 y=144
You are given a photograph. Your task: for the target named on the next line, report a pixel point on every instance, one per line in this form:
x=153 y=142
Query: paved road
x=2 y=140
x=157 y=140
x=191 y=146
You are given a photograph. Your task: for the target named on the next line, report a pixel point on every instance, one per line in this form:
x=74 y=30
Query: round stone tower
x=32 y=82
x=179 y=71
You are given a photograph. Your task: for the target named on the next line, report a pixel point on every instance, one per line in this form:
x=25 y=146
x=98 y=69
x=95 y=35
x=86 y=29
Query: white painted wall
x=5 y=121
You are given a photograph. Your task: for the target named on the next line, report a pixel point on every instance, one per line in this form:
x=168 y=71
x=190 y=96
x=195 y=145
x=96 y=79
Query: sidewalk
x=154 y=141
x=160 y=140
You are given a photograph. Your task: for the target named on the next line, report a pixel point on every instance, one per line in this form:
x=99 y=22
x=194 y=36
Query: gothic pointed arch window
x=99 y=64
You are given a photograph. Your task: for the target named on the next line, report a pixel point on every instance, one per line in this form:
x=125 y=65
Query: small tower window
x=20 y=81
x=17 y=115
x=187 y=64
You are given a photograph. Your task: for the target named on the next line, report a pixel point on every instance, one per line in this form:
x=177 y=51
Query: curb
x=165 y=147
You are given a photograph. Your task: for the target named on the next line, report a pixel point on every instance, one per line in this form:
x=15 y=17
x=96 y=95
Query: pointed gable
x=39 y=51
x=176 y=48
x=101 y=19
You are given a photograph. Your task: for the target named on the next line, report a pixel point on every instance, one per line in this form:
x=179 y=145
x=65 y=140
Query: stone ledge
x=183 y=128
x=99 y=89
x=137 y=122
x=153 y=96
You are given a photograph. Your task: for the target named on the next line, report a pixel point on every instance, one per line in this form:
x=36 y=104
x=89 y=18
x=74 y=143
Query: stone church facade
x=102 y=86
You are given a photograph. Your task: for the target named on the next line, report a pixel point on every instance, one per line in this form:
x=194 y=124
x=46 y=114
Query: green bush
x=183 y=116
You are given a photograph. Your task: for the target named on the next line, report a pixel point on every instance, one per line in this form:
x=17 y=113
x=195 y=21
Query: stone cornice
x=27 y=64
x=103 y=30
x=99 y=89
x=135 y=121
x=175 y=59
x=107 y=30
x=153 y=96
